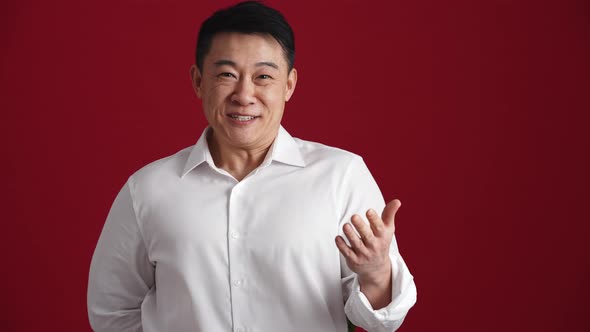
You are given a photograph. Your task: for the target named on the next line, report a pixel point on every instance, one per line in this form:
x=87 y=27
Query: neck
x=237 y=161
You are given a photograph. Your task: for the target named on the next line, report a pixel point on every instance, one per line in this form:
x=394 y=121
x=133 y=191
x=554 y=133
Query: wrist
x=377 y=287
x=377 y=278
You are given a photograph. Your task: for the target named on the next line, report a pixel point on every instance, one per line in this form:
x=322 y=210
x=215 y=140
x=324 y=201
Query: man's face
x=244 y=85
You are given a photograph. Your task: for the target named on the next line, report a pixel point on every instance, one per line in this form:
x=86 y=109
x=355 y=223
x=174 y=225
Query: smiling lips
x=242 y=118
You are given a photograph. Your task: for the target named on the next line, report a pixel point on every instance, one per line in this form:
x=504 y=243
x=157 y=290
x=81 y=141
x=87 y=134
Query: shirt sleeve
x=361 y=193
x=120 y=272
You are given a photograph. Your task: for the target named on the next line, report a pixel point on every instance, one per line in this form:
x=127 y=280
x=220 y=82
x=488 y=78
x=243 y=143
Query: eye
x=229 y=75
x=265 y=77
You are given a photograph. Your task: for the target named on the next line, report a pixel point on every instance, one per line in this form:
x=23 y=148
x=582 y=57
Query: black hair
x=249 y=17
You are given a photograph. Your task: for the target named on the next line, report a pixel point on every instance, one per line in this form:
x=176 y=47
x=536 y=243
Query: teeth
x=242 y=117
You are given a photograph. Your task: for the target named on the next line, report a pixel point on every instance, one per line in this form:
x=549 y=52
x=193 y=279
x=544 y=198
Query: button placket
x=237 y=257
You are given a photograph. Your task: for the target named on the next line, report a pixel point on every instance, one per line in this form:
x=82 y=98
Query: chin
x=243 y=140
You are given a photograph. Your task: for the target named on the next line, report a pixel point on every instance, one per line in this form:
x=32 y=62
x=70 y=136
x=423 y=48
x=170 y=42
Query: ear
x=196 y=78
x=291 y=83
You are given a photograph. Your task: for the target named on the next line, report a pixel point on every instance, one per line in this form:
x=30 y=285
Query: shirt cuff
x=361 y=313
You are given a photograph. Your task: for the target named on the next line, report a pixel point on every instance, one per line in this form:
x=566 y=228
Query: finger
x=363 y=228
x=377 y=225
x=355 y=241
x=344 y=249
x=389 y=212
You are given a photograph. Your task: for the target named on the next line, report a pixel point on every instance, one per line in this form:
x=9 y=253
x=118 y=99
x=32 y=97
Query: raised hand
x=368 y=254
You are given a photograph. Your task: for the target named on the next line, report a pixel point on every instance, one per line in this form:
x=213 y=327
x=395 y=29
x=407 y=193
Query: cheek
x=216 y=95
x=274 y=97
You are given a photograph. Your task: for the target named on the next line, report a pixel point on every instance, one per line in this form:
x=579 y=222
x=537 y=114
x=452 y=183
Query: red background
x=474 y=114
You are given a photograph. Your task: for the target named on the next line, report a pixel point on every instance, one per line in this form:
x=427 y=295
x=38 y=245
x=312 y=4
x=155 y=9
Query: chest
x=283 y=214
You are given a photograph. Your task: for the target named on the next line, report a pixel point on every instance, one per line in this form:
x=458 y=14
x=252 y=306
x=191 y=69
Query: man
x=237 y=232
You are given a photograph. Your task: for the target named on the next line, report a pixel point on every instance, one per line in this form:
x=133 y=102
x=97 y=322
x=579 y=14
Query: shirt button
x=238 y=283
x=234 y=234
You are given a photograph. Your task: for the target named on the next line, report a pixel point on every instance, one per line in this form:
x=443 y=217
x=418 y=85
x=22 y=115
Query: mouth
x=242 y=118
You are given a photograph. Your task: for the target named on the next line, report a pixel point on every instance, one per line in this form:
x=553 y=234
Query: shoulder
x=163 y=169
x=314 y=153
x=343 y=171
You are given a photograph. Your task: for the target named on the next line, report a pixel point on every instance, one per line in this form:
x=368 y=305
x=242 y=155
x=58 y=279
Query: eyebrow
x=220 y=63
x=267 y=63
x=224 y=62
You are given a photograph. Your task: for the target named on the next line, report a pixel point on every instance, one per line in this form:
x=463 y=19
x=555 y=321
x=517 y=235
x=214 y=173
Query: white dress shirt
x=186 y=247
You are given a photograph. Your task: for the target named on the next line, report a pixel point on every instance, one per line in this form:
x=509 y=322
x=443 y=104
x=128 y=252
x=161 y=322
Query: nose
x=244 y=92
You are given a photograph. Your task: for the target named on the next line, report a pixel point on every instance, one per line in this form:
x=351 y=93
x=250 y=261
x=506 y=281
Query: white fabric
x=186 y=247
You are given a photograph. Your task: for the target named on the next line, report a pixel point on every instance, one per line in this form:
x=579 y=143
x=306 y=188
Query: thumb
x=388 y=215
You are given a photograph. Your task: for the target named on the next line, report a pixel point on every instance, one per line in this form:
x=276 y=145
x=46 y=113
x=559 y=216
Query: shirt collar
x=284 y=149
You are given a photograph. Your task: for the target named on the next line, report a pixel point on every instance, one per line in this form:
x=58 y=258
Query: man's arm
x=368 y=253
x=376 y=282
x=120 y=273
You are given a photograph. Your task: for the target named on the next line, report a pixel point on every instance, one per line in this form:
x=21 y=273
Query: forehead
x=245 y=49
